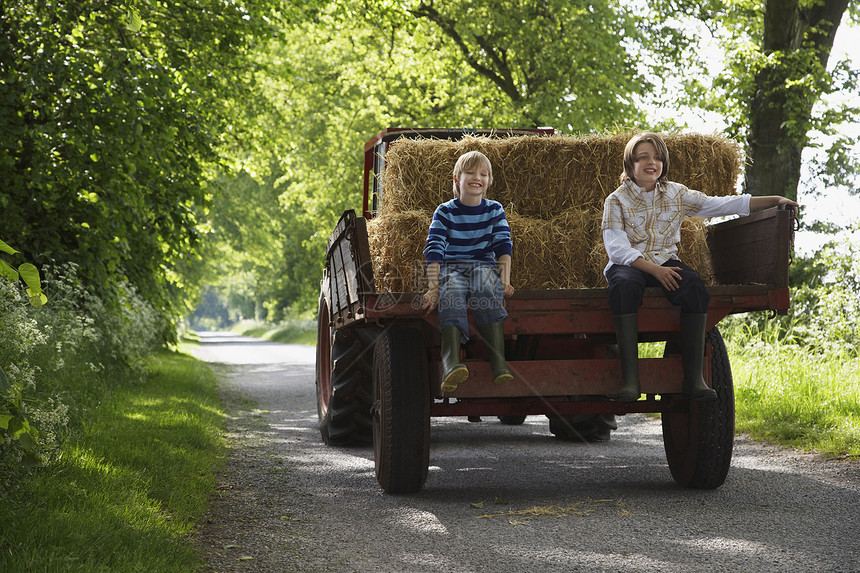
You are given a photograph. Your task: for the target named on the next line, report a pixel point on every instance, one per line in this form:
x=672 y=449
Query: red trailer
x=378 y=361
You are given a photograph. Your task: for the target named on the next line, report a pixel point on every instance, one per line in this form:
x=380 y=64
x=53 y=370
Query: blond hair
x=467 y=161
x=662 y=152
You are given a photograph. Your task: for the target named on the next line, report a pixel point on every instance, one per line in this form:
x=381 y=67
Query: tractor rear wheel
x=343 y=383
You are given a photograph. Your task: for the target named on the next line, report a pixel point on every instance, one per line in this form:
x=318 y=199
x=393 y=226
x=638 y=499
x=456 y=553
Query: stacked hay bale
x=552 y=188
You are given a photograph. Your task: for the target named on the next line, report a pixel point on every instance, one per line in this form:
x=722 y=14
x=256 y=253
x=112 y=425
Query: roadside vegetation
x=296 y=330
x=127 y=436
x=797 y=377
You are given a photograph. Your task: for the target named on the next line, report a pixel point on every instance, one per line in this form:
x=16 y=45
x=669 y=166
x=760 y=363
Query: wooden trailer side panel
x=349 y=270
x=753 y=250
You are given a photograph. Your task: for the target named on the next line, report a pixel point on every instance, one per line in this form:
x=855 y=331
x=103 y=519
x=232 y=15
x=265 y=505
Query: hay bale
x=548 y=254
x=563 y=253
x=597 y=261
x=542 y=176
x=707 y=163
x=419 y=172
x=532 y=242
x=576 y=230
x=397 y=242
x=693 y=249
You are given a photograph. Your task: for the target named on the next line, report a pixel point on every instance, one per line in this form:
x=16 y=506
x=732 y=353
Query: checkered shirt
x=652 y=221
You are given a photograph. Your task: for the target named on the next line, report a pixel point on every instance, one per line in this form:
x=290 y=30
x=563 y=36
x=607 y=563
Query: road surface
x=502 y=498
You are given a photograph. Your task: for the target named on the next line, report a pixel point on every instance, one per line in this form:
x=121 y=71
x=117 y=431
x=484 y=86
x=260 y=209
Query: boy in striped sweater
x=468 y=256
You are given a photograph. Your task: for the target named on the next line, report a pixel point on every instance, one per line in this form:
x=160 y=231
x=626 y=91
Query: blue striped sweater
x=461 y=232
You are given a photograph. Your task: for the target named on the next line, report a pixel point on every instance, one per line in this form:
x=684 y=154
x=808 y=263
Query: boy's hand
x=667 y=276
x=509 y=290
x=792 y=205
x=430 y=300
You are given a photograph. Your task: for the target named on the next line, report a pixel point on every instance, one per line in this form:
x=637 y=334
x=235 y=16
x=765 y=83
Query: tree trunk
x=780 y=115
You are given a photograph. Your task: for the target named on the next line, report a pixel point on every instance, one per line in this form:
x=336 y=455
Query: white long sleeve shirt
x=638 y=223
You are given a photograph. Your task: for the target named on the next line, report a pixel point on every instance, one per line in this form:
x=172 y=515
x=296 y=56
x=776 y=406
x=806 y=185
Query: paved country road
x=502 y=498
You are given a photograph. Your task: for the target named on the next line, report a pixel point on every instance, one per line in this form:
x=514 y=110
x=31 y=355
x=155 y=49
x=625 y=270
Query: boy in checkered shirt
x=641 y=231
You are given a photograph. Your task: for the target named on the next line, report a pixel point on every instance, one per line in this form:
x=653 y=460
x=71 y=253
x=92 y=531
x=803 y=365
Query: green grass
x=291 y=331
x=131 y=486
x=791 y=396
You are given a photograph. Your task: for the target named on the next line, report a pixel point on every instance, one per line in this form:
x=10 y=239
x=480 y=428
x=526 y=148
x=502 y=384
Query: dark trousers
x=627 y=285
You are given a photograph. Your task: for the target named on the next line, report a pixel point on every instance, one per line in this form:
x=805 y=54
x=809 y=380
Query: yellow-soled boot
x=494 y=339
x=453 y=372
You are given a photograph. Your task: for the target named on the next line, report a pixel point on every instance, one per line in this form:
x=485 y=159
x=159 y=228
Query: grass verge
x=291 y=331
x=131 y=488
x=793 y=396
x=788 y=395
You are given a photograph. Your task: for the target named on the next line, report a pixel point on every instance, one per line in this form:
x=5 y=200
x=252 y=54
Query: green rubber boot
x=494 y=339
x=454 y=373
x=627 y=334
x=692 y=357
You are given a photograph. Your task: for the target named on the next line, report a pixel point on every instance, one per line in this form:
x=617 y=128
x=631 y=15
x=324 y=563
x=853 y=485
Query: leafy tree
x=556 y=62
x=777 y=73
x=112 y=119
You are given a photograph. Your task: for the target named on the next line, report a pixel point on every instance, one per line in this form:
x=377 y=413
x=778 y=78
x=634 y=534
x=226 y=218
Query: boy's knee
x=697 y=300
x=693 y=294
x=625 y=297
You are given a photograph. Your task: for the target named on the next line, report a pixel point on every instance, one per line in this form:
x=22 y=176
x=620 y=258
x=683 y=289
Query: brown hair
x=657 y=141
x=467 y=161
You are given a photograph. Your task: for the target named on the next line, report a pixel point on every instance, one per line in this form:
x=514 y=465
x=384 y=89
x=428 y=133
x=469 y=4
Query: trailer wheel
x=699 y=443
x=343 y=382
x=512 y=420
x=401 y=410
x=582 y=427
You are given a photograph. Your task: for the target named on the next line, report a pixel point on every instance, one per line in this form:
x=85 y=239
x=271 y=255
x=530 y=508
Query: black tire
x=512 y=420
x=401 y=411
x=699 y=444
x=343 y=382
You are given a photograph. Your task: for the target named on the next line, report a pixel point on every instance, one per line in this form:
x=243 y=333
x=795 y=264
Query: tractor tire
x=699 y=443
x=401 y=411
x=343 y=382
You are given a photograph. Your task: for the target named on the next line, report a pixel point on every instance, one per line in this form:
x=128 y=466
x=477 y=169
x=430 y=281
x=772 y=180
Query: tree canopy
x=777 y=74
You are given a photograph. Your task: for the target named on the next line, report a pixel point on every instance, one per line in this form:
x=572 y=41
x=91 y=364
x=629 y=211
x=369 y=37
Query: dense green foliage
x=57 y=356
x=14 y=425
x=111 y=120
